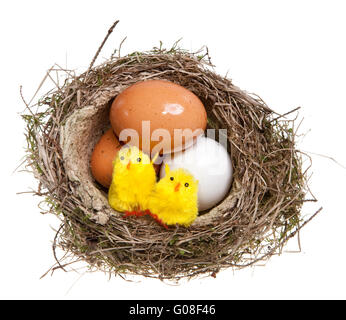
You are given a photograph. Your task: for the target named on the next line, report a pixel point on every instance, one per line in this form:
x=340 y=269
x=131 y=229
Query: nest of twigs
x=261 y=212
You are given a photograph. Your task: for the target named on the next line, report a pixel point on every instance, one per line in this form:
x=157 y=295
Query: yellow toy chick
x=133 y=179
x=174 y=198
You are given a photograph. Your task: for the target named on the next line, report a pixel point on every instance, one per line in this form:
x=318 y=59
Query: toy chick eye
x=186 y=184
x=122 y=158
x=139 y=159
x=171 y=178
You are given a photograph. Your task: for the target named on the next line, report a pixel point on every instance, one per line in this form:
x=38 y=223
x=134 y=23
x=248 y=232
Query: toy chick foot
x=156 y=218
x=135 y=213
x=139 y=213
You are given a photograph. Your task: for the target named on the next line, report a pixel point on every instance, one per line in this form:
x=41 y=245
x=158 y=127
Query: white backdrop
x=291 y=53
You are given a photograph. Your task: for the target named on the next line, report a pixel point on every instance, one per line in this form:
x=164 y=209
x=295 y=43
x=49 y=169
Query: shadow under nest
x=261 y=212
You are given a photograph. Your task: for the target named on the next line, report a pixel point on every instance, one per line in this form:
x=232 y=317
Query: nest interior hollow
x=261 y=212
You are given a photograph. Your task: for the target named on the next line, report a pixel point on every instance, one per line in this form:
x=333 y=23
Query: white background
x=291 y=53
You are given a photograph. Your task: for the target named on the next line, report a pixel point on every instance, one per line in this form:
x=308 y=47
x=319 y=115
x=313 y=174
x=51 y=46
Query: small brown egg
x=102 y=157
x=167 y=106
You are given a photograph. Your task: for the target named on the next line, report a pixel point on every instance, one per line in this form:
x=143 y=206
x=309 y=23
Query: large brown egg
x=102 y=157
x=165 y=105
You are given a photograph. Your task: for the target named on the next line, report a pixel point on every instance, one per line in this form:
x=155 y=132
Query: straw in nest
x=261 y=212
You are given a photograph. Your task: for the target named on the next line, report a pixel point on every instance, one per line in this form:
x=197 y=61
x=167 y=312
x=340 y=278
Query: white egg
x=209 y=162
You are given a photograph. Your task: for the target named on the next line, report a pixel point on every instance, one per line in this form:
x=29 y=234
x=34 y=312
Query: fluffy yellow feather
x=174 y=198
x=133 y=180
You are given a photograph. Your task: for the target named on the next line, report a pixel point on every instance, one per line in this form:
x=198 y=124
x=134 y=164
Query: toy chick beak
x=177 y=187
x=128 y=165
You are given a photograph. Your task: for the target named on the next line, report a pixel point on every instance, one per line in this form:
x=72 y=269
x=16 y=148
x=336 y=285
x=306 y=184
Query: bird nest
x=260 y=213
